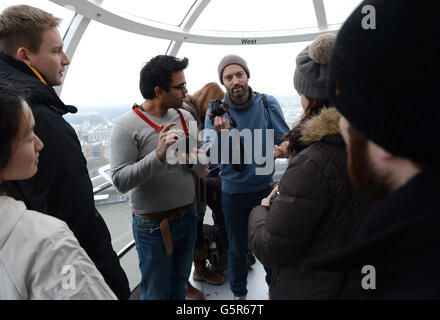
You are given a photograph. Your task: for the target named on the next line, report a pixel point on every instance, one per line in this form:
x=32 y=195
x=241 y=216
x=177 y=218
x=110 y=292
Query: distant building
x=99 y=135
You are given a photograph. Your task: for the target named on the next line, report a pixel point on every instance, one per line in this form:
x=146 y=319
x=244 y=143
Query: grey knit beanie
x=231 y=59
x=310 y=76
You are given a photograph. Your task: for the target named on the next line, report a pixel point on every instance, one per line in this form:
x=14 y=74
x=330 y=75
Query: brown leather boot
x=193 y=293
x=202 y=273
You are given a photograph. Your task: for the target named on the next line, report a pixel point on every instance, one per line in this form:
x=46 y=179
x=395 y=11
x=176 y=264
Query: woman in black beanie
x=317 y=209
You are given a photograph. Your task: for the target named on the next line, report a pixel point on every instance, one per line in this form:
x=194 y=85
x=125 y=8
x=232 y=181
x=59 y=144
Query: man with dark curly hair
x=161 y=191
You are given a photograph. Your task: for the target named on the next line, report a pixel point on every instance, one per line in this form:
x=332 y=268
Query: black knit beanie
x=385 y=81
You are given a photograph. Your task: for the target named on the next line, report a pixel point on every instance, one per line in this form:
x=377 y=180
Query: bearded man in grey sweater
x=161 y=188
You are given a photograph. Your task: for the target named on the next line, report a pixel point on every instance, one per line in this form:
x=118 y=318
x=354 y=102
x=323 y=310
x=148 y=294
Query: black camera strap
x=241 y=167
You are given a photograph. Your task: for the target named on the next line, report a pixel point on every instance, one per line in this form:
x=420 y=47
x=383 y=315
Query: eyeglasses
x=181 y=87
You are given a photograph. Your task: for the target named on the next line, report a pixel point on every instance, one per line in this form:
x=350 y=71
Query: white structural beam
x=321 y=16
x=189 y=20
x=71 y=40
x=72 y=37
x=163 y=31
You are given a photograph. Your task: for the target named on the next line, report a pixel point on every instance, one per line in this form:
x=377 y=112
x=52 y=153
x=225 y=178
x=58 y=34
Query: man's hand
x=192 y=158
x=281 y=150
x=167 y=137
x=202 y=174
x=195 y=154
x=220 y=123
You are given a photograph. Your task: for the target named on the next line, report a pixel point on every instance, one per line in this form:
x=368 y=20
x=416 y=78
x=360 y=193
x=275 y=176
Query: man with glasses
x=161 y=191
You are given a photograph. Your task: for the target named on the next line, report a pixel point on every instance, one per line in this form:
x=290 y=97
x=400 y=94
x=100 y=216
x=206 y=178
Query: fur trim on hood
x=324 y=124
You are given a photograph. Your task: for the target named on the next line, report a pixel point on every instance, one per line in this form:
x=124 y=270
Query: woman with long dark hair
x=40 y=258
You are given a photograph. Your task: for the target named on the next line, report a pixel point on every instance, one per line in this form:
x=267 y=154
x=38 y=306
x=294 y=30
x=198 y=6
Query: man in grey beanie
x=385 y=86
x=242 y=186
x=231 y=59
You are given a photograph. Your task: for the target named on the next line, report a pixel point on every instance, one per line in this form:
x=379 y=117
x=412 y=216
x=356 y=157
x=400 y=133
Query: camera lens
x=217 y=108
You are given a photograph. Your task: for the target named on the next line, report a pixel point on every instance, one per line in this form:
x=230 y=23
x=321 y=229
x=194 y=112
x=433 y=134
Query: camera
x=274 y=196
x=186 y=142
x=217 y=108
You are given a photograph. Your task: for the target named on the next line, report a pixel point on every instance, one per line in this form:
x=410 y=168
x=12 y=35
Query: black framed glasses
x=181 y=87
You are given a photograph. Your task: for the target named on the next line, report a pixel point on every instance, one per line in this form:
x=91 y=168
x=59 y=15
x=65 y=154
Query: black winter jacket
x=62 y=187
x=400 y=239
x=317 y=211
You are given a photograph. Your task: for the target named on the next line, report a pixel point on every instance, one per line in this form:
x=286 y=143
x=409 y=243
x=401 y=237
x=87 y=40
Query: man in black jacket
x=383 y=79
x=32 y=58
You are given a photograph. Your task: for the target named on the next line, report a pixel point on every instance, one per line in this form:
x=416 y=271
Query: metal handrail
x=126 y=249
x=131 y=244
x=101 y=187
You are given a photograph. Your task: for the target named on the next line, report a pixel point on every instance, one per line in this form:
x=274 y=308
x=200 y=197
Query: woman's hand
x=267 y=201
x=281 y=150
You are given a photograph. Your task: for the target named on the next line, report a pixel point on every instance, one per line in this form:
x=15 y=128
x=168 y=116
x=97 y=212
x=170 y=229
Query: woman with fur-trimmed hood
x=317 y=208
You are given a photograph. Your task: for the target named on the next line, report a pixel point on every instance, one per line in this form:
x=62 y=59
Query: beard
x=361 y=169
x=240 y=94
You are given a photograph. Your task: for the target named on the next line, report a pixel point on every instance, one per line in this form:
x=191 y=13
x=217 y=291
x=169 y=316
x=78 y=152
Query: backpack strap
x=266 y=105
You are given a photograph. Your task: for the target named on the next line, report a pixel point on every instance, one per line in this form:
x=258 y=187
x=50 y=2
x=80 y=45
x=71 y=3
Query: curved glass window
x=104 y=71
x=164 y=11
x=256 y=15
x=337 y=11
x=271 y=67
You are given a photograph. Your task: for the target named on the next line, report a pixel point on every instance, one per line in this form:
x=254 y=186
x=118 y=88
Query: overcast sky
x=106 y=65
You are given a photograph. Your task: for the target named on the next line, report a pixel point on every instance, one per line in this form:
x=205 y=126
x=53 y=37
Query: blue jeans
x=236 y=209
x=165 y=277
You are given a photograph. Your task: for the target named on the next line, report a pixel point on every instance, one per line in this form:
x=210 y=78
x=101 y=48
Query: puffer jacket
x=41 y=259
x=318 y=210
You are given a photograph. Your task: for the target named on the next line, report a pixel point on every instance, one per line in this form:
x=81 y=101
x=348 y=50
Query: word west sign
x=248 y=41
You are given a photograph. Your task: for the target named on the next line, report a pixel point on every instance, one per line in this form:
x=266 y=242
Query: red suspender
x=155 y=126
x=182 y=120
x=151 y=123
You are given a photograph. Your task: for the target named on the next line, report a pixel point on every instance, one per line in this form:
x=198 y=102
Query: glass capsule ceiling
x=109 y=40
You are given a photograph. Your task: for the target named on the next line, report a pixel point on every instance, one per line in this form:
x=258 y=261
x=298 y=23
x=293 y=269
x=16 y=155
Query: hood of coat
x=324 y=124
x=188 y=105
x=36 y=91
